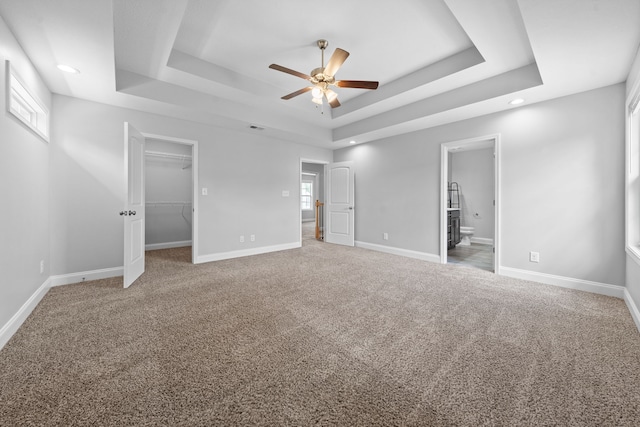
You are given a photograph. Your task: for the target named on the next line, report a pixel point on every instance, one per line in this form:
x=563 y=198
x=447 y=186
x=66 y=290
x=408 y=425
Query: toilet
x=465 y=234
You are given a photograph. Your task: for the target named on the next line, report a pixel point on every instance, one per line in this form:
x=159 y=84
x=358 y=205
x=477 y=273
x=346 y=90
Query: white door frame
x=312 y=161
x=194 y=175
x=444 y=169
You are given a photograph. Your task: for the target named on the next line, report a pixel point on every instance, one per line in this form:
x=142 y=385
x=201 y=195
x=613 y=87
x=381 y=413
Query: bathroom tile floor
x=477 y=256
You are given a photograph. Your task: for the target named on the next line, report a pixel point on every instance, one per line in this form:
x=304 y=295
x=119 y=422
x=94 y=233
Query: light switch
x=285 y=193
x=205 y=191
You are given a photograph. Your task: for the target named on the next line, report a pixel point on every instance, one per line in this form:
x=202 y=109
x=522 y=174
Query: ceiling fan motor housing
x=318 y=76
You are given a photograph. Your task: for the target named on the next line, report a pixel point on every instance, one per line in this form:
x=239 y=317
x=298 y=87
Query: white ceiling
x=437 y=61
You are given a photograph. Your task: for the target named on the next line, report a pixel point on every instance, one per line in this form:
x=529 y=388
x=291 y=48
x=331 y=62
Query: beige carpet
x=321 y=335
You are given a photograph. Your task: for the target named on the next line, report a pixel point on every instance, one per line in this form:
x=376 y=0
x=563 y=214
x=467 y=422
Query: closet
x=168 y=194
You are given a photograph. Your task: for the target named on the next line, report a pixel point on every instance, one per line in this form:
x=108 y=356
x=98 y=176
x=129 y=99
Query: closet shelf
x=168 y=155
x=167 y=203
x=173 y=156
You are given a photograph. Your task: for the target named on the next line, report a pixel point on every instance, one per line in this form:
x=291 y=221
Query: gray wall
x=245 y=174
x=562 y=188
x=318 y=169
x=24 y=190
x=473 y=171
x=167 y=179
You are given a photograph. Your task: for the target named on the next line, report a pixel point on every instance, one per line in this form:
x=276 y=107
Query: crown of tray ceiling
x=436 y=61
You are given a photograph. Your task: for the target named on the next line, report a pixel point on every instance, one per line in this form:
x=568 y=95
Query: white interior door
x=340 y=204
x=133 y=213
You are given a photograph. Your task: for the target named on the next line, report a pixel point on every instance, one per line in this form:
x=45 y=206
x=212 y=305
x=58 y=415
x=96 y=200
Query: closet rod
x=167 y=155
x=173 y=203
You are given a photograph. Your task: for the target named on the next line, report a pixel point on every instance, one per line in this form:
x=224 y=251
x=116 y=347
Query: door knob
x=350 y=208
x=132 y=213
x=123 y=213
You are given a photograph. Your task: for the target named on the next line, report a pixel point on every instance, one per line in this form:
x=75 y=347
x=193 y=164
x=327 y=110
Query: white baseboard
x=398 y=251
x=482 y=241
x=18 y=319
x=169 y=245
x=246 y=252
x=84 y=276
x=309 y=220
x=633 y=308
x=565 y=282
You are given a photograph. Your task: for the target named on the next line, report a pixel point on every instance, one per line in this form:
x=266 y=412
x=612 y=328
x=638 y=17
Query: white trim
x=12 y=326
x=424 y=256
x=195 y=219
x=482 y=241
x=247 y=252
x=632 y=173
x=634 y=253
x=633 y=308
x=565 y=282
x=85 y=276
x=20 y=96
x=309 y=219
x=167 y=245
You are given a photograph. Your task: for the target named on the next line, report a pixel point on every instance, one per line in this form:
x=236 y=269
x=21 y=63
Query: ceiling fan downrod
x=322 y=44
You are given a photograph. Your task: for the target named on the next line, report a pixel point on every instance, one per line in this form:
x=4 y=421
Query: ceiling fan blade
x=332 y=98
x=335 y=62
x=357 y=84
x=298 y=92
x=289 y=71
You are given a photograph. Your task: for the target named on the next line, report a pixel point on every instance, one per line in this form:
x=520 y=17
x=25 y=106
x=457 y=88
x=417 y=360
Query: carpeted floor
x=322 y=335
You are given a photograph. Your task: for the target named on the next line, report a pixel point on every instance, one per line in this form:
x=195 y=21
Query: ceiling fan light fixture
x=316 y=92
x=322 y=78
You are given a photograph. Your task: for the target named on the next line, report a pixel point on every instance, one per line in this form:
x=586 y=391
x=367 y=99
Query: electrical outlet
x=385 y=236
x=205 y=191
x=241 y=239
x=534 y=256
x=253 y=238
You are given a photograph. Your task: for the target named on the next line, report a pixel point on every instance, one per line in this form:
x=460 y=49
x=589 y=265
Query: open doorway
x=312 y=196
x=171 y=194
x=469 y=203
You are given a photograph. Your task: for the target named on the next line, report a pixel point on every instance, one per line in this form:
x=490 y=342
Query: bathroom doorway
x=469 y=203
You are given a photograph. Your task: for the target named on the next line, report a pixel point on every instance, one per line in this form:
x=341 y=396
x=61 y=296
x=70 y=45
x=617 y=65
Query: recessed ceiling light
x=352 y=142
x=516 y=101
x=68 y=69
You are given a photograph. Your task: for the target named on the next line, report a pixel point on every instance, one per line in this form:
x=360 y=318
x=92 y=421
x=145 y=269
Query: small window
x=306 y=195
x=26 y=107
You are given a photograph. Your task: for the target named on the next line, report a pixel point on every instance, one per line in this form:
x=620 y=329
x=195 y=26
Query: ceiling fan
x=323 y=77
